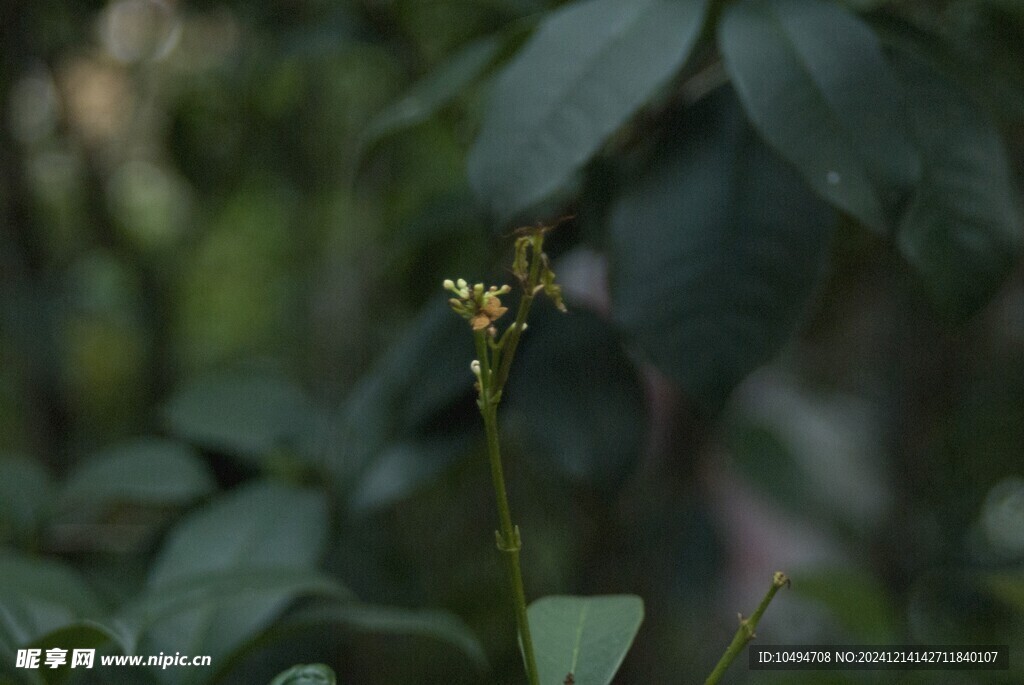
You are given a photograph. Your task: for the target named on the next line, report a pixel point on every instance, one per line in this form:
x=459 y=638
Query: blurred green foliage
x=236 y=419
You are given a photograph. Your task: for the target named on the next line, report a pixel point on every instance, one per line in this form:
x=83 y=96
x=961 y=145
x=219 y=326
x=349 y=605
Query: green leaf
x=38 y=596
x=403 y=466
x=962 y=234
x=718 y=248
x=576 y=401
x=247 y=416
x=815 y=83
x=587 y=637
x=148 y=471
x=367 y=618
x=959 y=606
x=211 y=588
x=25 y=492
x=433 y=91
x=306 y=674
x=82 y=635
x=767 y=463
x=382 y=423
x=1006 y=586
x=586 y=70
x=857 y=600
x=257 y=528
x=77 y=635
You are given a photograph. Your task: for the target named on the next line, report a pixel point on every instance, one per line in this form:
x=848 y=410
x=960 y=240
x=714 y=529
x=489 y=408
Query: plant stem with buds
x=745 y=633
x=482 y=307
x=508 y=538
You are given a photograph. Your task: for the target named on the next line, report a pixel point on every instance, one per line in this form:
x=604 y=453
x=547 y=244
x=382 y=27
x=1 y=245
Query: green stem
x=508 y=538
x=510 y=340
x=745 y=633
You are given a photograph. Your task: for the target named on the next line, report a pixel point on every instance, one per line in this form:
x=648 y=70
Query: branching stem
x=495 y=361
x=745 y=633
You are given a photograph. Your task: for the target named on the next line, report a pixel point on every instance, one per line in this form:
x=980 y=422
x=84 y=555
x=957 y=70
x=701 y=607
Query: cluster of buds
x=521 y=269
x=479 y=305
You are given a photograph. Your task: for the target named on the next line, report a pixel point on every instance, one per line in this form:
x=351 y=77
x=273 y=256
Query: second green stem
x=745 y=633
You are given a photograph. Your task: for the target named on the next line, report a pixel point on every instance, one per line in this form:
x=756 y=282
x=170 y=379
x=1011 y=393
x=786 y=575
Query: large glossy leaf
x=38 y=596
x=963 y=231
x=148 y=471
x=576 y=400
x=25 y=494
x=717 y=250
x=587 y=69
x=244 y=415
x=261 y=527
x=587 y=637
x=815 y=83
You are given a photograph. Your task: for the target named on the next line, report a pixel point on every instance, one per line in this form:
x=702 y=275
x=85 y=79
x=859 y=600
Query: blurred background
x=224 y=346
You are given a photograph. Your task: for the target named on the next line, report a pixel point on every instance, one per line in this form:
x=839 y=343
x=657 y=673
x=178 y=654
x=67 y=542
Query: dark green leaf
x=767 y=463
x=1006 y=586
x=434 y=91
x=717 y=250
x=987 y=44
x=417 y=379
x=77 y=635
x=25 y=492
x=403 y=466
x=588 y=68
x=587 y=637
x=261 y=527
x=963 y=231
x=148 y=471
x=576 y=401
x=958 y=606
x=366 y=618
x=856 y=599
x=816 y=85
x=306 y=674
x=38 y=596
x=209 y=589
x=244 y=415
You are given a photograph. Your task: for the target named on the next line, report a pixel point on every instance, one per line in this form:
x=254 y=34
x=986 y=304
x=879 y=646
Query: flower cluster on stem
x=481 y=306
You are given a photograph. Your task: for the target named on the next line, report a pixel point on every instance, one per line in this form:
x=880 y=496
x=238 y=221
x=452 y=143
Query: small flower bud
x=448 y=284
x=474 y=366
